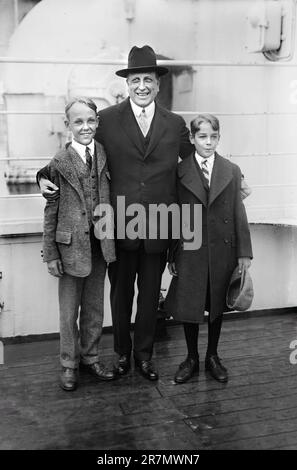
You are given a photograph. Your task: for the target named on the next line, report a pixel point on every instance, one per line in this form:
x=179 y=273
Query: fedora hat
x=142 y=59
x=240 y=292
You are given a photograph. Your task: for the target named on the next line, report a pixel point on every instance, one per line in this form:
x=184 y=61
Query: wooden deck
x=256 y=409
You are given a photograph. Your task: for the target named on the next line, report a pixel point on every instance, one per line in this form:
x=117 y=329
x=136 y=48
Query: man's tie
x=204 y=168
x=143 y=122
x=88 y=158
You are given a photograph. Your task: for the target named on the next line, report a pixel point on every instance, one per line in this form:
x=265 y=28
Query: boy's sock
x=191 y=334
x=214 y=331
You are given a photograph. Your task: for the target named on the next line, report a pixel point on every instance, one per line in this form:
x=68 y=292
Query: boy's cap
x=142 y=59
x=240 y=292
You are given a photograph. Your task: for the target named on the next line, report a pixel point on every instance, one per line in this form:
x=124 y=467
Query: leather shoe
x=99 y=370
x=68 y=379
x=146 y=369
x=123 y=365
x=186 y=370
x=216 y=369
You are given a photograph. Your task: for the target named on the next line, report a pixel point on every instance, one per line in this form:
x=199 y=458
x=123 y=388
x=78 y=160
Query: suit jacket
x=66 y=224
x=144 y=175
x=225 y=238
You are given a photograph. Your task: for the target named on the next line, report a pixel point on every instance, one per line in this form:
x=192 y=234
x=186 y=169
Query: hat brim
x=159 y=70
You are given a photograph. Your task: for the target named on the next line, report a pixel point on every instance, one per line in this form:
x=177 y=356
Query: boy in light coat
x=72 y=249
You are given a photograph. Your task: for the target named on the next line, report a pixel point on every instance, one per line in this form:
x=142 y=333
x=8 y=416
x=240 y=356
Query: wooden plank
x=255 y=409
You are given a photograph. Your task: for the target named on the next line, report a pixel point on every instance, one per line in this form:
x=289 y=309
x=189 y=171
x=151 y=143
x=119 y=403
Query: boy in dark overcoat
x=72 y=250
x=201 y=276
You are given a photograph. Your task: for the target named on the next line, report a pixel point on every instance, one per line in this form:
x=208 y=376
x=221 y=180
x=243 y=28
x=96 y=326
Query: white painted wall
x=263 y=145
x=31 y=298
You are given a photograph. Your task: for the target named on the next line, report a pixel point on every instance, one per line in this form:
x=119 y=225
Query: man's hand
x=48 y=189
x=243 y=264
x=172 y=269
x=55 y=267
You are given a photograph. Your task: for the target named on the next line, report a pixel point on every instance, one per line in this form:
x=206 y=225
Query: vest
x=145 y=140
x=89 y=183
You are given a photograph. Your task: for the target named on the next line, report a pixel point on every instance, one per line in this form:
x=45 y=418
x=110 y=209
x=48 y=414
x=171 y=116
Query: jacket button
x=93 y=176
x=142 y=183
x=226 y=221
x=87 y=232
x=83 y=212
x=226 y=241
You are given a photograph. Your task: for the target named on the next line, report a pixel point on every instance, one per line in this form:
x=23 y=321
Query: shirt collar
x=137 y=110
x=210 y=160
x=81 y=149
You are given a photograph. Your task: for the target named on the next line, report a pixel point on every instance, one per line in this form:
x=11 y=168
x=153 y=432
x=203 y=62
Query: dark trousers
x=122 y=274
x=191 y=331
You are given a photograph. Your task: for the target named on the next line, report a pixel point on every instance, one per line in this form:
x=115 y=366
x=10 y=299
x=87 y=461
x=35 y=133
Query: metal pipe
x=227 y=155
x=185 y=113
x=204 y=63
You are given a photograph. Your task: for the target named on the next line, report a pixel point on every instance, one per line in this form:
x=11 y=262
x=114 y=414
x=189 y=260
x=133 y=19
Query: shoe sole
x=103 y=379
x=84 y=369
x=121 y=374
x=152 y=379
x=68 y=389
x=216 y=378
x=195 y=372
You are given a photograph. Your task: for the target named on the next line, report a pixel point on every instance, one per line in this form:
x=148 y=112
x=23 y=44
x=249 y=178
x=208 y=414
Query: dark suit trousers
x=122 y=274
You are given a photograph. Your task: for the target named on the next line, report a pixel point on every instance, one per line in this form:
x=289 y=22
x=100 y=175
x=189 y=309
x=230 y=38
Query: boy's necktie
x=88 y=158
x=204 y=168
x=143 y=122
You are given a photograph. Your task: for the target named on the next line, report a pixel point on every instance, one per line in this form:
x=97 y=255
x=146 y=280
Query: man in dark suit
x=142 y=141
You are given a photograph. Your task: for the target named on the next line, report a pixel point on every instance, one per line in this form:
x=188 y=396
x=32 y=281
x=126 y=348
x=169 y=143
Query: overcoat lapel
x=220 y=178
x=188 y=174
x=129 y=124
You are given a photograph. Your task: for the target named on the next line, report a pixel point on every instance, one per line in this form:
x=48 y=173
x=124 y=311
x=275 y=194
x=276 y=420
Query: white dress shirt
x=81 y=149
x=210 y=162
x=149 y=111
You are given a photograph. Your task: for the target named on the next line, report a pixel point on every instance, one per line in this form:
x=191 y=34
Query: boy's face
x=82 y=122
x=205 y=140
x=143 y=87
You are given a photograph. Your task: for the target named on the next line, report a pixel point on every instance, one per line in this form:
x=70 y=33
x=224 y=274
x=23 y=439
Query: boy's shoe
x=68 y=379
x=186 y=370
x=216 y=369
x=99 y=370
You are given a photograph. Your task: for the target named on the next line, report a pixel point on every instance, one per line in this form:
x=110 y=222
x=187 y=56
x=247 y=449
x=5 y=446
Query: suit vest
x=89 y=184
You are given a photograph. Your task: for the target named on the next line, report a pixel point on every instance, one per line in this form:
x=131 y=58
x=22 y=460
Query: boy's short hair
x=80 y=99
x=209 y=118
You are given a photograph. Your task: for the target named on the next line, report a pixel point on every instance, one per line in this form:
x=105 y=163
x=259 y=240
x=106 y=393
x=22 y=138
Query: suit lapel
x=129 y=124
x=66 y=168
x=159 y=127
x=189 y=177
x=220 y=178
x=100 y=158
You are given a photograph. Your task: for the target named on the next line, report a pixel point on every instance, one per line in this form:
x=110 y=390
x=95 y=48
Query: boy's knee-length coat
x=225 y=238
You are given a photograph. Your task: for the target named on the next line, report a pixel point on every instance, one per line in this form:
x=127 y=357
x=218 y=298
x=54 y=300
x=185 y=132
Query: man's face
x=205 y=140
x=83 y=122
x=143 y=87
